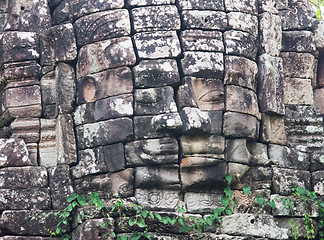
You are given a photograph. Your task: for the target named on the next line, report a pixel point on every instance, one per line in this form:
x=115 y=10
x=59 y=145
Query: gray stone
x=26 y=129
x=205 y=20
x=298 y=19
x=201 y=4
x=202 y=202
x=216 y=120
x=273 y=129
x=91 y=229
x=27 y=238
x=199 y=40
x=21 y=70
x=237 y=151
x=151 y=152
x=256 y=177
x=122 y=183
x=243 y=22
x=47 y=143
x=194 y=120
x=278 y=154
x=317 y=161
x=270 y=6
x=113 y=107
x=149 y=2
x=259 y=152
x=240 y=125
x=49 y=95
x=101 y=26
x=298 y=91
x=203 y=64
x=271 y=84
x=317 y=182
x=105 y=132
x=154 y=101
x=318 y=29
x=247 y=6
x=240 y=43
x=186 y=96
x=99 y=56
x=84 y=114
x=270 y=34
x=240 y=71
x=201 y=145
x=158 y=44
x=155 y=18
x=298 y=41
x=156 y=73
x=157 y=199
x=285 y=222
x=13 y=153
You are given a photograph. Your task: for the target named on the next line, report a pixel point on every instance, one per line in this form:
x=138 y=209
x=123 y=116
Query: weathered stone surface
x=161 y=177
x=204 y=4
x=111 y=53
x=285 y=179
x=278 y=155
x=301 y=19
x=163 y=125
x=298 y=41
x=240 y=43
x=186 y=96
x=158 y=44
x=305 y=68
x=151 y=152
x=241 y=125
x=20 y=199
x=122 y=183
x=91 y=229
x=49 y=95
x=60 y=186
x=84 y=114
x=154 y=101
x=23 y=177
x=239 y=6
x=259 y=152
x=203 y=64
x=318 y=28
x=270 y=6
x=19 y=46
x=33 y=152
x=202 y=202
x=237 y=151
x=240 y=71
x=105 y=132
x=298 y=91
x=156 y=73
x=199 y=40
x=28 y=16
x=319 y=99
x=47 y=144
x=65 y=88
x=27 y=238
x=243 y=22
x=216 y=119
x=21 y=70
x=28 y=130
x=71 y=10
x=271 y=84
x=253 y=225
x=273 y=129
x=13 y=153
x=96 y=161
x=101 y=26
x=241 y=100
x=58 y=44
x=205 y=20
x=199 y=178
x=320 y=71
x=194 y=120
x=318 y=182
x=256 y=177
x=102 y=85
x=149 y=2
x=285 y=222
x=157 y=199
x=270 y=34
x=113 y=107
x=202 y=145
x=154 y=18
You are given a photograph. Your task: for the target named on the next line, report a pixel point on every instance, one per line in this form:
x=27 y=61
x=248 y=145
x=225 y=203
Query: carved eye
x=212 y=96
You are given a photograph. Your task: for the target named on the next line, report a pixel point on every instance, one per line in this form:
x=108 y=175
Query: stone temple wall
x=158 y=100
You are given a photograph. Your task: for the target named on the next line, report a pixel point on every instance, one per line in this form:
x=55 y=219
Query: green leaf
x=173 y=221
x=228 y=192
x=72 y=197
x=103 y=225
x=141 y=223
x=151 y=215
x=82 y=201
x=131 y=221
x=183 y=228
x=135 y=236
x=246 y=190
x=144 y=213
x=228 y=178
x=229 y=211
x=260 y=200
x=158 y=216
x=272 y=204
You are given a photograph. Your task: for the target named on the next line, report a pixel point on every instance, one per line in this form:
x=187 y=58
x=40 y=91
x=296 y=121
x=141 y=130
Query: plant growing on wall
x=318 y=6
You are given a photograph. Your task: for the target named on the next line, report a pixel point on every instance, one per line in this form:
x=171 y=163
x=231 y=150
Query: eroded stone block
x=298 y=91
x=186 y=96
x=13 y=153
x=149 y=2
x=202 y=4
x=202 y=202
x=278 y=154
x=49 y=94
x=21 y=70
x=246 y=6
x=91 y=229
x=84 y=114
x=319 y=99
x=195 y=120
x=26 y=129
x=298 y=41
x=243 y=22
x=273 y=129
x=157 y=199
x=301 y=19
x=47 y=144
x=318 y=29
x=202 y=145
x=318 y=182
x=237 y=151
x=205 y=20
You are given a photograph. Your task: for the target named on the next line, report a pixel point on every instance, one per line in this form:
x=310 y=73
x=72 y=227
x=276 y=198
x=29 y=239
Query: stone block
x=298 y=91
x=65 y=88
x=69 y=11
x=158 y=44
x=247 y=6
x=278 y=154
x=154 y=101
x=240 y=125
x=270 y=34
x=49 y=94
x=270 y=6
x=102 y=85
x=204 y=4
x=103 y=133
x=186 y=96
x=99 y=56
x=216 y=120
x=97 y=232
x=320 y=72
x=298 y=157
x=271 y=84
x=203 y=64
x=301 y=19
x=241 y=100
x=194 y=120
x=273 y=129
x=163 y=125
x=203 y=202
x=318 y=29
x=23 y=177
x=285 y=222
x=157 y=199
x=284 y=180
x=161 y=177
x=26 y=129
x=240 y=43
x=33 y=153
x=84 y=114
x=240 y=71
x=306 y=67
x=149 y=2
x=156 y=73
x=254 y=225
x=199 y=40
x=319 y=99
x=201 y=160
x=58 y=44
x=237 y=151
x=155 y=18
x=47 y=144
x=151 y=152
x=200 y=145
x=27 y=238
x=19 y=46
x=243 y=22
x=113 y=107
x=122 y=183
x=298 y=41
x=204 y=20
x=21 y=70
x=13 y=153
x=318 y=182
x=259 y=152
x=28 y=16
x=101 y=26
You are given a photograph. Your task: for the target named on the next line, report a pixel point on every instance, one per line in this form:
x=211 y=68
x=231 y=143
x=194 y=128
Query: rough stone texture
x=201 y=145
x=298 y=41
x=205 y=20
x=195 y=120
x=320 y=72
x=13 y=153
x=202 y=202
x=157 y=199
x=204 y=4
x=319 y=99
x=47 y=144
x=318 y=28
x=90 y=230
x=21 y=70
x=317 y=181
x=298 y=91
x=301 y=19
x=49 y=96
x=273 y=129
x=149 y=2
x=239 y=6
x=243 y=22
